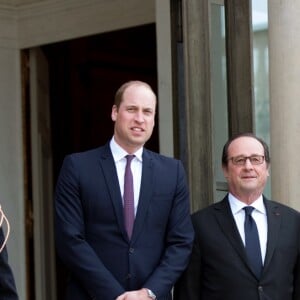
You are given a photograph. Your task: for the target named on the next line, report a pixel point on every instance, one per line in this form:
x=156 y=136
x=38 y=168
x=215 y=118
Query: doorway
x=84 y=74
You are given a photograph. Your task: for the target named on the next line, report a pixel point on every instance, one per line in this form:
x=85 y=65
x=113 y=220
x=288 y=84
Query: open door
x=42 y=185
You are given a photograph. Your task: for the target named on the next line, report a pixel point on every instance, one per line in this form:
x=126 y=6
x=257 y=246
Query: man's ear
x=114 y=112
x=225 y=171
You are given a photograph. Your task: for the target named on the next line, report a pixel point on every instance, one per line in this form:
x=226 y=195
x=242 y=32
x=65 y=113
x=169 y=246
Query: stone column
x=11 y=149
x=284 y=45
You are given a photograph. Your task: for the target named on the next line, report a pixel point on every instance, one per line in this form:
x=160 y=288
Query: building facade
x=203 y=74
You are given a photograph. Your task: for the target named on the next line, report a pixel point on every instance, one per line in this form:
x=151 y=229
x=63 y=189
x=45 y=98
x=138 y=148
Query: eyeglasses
x=241 y=160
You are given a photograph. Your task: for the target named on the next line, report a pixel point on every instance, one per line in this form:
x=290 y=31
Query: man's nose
x=248 y=163
x=139 y=116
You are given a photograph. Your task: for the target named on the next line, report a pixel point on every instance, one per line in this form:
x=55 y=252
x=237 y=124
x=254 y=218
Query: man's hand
x=134 y=295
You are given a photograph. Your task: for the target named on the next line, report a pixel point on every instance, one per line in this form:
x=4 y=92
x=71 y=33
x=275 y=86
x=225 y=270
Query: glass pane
x=218 y=92
x=261 y=72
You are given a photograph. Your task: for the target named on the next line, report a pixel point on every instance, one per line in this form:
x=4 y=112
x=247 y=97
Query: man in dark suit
x=106 y=259
x=7 y=283
x=221 y=267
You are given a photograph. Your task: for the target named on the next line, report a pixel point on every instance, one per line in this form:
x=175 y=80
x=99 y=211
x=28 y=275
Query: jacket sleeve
x=7 y=283
x=178 y=242
x=296 y=294
x=188 y=286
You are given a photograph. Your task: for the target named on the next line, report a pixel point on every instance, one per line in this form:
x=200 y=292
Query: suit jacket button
x=260 y=289
x=131 y=250
x=128 y=276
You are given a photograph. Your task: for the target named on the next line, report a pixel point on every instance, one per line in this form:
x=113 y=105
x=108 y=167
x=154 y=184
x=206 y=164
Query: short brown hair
x=120 y=92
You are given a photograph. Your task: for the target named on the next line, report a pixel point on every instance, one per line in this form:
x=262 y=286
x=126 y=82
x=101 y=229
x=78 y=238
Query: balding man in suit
x=246 y=247
x=115 y=249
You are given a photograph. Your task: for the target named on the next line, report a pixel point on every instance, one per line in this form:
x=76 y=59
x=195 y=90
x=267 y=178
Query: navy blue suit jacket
x=219 y=269
x=7 y=282
x=91 y=238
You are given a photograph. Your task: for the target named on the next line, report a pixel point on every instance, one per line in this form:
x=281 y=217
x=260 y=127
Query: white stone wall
x=11 y=146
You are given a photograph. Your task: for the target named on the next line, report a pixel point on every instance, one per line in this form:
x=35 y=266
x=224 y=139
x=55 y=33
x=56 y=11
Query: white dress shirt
x=259 y=215
x=119 y=155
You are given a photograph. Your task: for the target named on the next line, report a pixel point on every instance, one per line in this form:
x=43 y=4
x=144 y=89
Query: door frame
x=42 y=177
x=32 y=19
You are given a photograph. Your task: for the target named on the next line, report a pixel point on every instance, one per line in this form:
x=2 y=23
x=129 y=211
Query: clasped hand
x=134 y=295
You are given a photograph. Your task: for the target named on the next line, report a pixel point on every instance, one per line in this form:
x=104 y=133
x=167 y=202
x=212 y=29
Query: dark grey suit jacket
x=219 y=270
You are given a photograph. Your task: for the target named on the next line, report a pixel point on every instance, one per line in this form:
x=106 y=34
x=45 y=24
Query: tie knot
x=248 y=210
x=129 y=158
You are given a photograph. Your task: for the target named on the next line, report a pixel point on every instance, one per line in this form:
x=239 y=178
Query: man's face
x=134 y=119
x=247 y=179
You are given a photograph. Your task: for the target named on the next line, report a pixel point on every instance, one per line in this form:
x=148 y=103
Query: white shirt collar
x=236 y=205
x=119 y=153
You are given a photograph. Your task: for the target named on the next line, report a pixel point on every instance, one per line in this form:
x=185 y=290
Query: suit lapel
x=108 y=167
x=230 y=230
x=228 y=227
x=274 y=220
x=145 y=194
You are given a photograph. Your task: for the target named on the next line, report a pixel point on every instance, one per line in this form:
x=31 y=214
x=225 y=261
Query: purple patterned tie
x=128 y=197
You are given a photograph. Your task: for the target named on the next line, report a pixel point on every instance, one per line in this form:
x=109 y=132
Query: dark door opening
x=84 y=75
